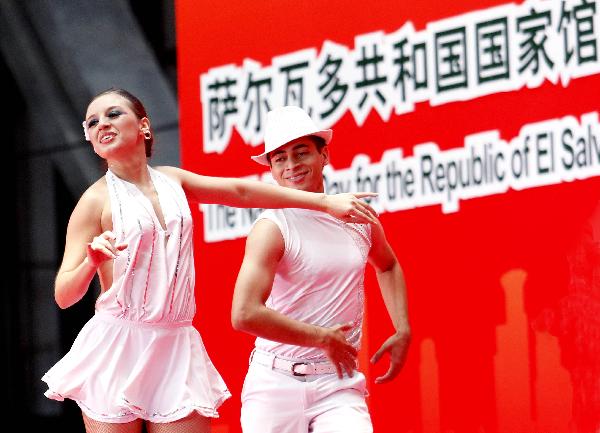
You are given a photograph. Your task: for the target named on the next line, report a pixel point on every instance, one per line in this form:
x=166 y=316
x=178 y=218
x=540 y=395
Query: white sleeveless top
x=153 y=278
x=320 y=278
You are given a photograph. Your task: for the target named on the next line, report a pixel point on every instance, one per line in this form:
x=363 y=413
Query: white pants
x=278 y=402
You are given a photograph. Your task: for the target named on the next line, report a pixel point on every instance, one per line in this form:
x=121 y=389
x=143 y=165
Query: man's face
x=299 y=164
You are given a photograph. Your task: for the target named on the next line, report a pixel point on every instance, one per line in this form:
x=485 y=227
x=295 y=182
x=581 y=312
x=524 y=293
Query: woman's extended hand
x=349 y=208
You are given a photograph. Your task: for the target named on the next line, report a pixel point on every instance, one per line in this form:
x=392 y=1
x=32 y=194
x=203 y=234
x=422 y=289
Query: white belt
x=297 y=368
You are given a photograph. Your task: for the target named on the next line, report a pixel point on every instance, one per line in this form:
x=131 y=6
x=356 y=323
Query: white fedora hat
x=285 y=124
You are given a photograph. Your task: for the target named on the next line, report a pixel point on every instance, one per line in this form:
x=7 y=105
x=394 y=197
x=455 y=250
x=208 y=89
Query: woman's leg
x=93 y=426
x=193 y=423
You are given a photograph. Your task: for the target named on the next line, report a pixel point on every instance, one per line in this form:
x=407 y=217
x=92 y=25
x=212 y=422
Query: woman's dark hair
x=137 y=107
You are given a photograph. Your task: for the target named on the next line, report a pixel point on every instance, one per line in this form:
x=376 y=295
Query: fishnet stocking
x=93 y=426
x=194 y=423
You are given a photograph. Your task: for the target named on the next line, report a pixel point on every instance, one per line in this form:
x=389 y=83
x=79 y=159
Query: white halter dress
x=139 y=356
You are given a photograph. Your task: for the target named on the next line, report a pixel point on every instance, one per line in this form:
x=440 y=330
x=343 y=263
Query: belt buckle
x=294 y=365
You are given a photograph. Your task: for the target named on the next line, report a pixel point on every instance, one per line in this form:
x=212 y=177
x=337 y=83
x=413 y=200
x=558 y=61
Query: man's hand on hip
x=339 y=351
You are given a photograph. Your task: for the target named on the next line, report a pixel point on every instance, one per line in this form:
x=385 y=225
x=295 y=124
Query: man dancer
x=300 y=291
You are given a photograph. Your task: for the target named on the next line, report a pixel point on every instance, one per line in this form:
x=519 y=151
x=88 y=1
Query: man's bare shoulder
x=264 y=227
x=265 y=238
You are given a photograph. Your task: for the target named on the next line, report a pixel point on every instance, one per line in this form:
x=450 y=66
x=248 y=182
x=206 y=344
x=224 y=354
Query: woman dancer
x=139 y=359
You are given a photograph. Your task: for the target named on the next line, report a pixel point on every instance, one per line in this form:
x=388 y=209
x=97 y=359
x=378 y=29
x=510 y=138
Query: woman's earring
x=147 y=134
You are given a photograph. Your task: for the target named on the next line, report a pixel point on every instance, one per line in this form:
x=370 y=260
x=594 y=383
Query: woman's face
x=113 y=126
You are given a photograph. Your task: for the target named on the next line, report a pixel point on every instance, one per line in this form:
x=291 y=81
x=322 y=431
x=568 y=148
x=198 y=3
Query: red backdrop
x=503 y=293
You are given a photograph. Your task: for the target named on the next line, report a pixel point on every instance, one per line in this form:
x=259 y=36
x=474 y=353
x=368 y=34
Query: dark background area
x=54 y=56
